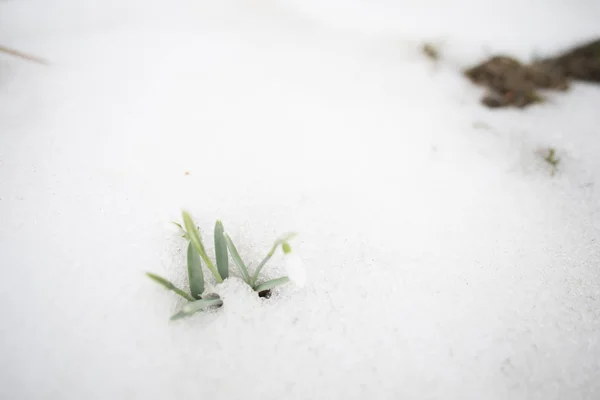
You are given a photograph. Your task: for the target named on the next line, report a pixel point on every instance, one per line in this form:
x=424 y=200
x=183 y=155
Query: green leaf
x=194 y=306
x=177 y=224
x=195 y=275
x=282 y=240
x=168 y=285
x=184 y=233
x=237 y=259
x=197 y=242
x=221 y=251
x=271 y=284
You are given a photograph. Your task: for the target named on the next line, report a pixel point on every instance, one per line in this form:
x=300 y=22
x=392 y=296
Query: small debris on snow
x=431 y=51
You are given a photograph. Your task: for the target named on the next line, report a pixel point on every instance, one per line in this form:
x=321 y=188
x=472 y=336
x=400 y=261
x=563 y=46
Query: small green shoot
x=551 y=159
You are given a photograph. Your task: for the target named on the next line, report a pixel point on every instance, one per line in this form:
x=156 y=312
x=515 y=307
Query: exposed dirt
x=511 y=83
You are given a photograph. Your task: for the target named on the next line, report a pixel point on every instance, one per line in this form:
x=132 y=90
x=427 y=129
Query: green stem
x=262 y=264
x=281 y=241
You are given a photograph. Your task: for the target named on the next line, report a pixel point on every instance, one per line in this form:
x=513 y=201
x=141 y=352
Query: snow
x=443 y=259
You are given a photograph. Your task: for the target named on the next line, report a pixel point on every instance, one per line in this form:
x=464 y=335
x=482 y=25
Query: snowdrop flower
x=294 y=267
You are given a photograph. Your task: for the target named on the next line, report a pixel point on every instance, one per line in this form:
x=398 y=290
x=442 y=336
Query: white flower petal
x=295 y=269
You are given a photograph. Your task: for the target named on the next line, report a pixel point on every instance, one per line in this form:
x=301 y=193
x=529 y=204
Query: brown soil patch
x=511 y=83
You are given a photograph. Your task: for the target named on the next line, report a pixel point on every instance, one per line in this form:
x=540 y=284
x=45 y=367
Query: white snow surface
x=444 y=260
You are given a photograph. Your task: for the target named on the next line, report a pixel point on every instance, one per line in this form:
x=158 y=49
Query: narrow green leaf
x=271 y=284
x=177 y=224
x=237 y=259
x=262 y=264
x=197 y=242
x=183 y=232
x=195 y=306
x=169 y=286
x=195 y=275
x=221 y=251
x=282 y=240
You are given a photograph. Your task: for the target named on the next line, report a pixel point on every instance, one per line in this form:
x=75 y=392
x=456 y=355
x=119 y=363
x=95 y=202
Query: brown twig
x=24 y=56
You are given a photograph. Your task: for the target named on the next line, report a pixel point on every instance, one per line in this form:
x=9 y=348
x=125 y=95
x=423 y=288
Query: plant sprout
x=552 y=160
x=196 y=254
x=252 y=280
